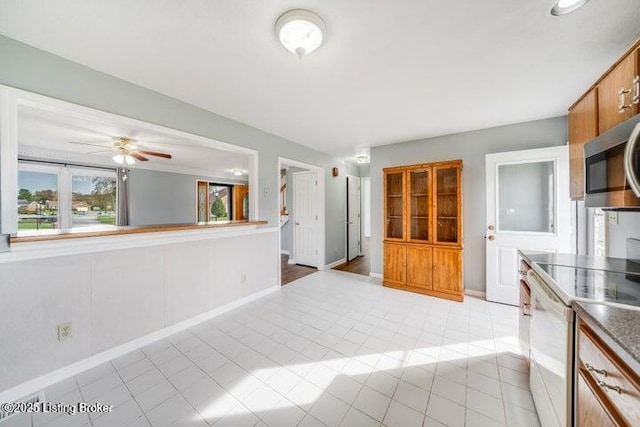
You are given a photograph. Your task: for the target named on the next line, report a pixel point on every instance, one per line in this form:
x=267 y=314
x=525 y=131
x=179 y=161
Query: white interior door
x=305 y=218
x=353 y=217
x=528 y=207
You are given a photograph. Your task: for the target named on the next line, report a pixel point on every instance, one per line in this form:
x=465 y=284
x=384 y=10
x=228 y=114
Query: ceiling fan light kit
x=300 y=31
x=125 y=151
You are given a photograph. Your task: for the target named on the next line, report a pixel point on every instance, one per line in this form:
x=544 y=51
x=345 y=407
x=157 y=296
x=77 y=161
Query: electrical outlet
x=613 y=218
x=64 y=331
x=243 y=278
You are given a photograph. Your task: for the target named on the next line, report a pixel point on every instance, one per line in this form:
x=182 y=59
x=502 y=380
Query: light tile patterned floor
x=332 y=349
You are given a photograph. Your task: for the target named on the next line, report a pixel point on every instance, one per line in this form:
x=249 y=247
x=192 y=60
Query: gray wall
x=471 y=147
x=34 y=70
x=165 y=197
x=628 y=226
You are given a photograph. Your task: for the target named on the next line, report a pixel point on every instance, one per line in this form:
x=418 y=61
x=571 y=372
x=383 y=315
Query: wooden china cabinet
x=423 y=229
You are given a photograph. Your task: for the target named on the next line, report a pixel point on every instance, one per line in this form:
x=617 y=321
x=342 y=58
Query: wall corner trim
x=335 y=263
x=477 y=294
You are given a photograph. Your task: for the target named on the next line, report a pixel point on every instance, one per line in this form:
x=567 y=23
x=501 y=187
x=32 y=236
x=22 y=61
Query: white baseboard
x=335 y=263
x=46 y=380
x=375 y=275
x=284 y=252
x=477 y=294
x=291 y=261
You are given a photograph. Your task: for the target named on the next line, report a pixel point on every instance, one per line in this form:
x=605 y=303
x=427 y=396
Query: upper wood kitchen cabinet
x=583 y=127
x=619 y=92
x=612 y=99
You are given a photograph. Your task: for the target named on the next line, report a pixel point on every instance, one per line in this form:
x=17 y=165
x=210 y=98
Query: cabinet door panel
x=583 y=127
x=447 y=270
x=419 y=267
x=395 y=261
x=447 y=205
x=394 y=209
x=590 y=411
x=621 y=77
x=419 y=199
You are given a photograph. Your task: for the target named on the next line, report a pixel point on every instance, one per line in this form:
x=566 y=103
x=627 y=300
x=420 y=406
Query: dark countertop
x=620 y=265
x=618 y=327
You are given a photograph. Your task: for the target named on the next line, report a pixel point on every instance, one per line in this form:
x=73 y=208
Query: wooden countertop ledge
x=50 y=235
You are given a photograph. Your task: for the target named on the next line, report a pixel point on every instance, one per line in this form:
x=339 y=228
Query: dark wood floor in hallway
x=358 y=265
x=291 y=272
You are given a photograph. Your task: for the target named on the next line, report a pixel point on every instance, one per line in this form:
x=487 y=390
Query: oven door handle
x=630 y=152
x=541 y=291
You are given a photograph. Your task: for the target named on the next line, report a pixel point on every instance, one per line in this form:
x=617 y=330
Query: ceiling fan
x=125 y=151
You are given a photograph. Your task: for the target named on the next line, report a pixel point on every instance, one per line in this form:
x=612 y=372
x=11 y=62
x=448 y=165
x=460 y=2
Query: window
x=55 y=196
x=93 y=199
x=219 y=202
x=37 y=198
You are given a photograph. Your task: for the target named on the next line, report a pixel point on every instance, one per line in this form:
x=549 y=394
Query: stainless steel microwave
x=612 y=167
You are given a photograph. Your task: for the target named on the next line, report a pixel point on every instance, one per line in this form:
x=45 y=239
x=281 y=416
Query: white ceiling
x=46 y=134
x=390 y=70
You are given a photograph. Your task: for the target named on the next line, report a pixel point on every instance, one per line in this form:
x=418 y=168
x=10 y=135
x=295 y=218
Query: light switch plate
x=613 y=218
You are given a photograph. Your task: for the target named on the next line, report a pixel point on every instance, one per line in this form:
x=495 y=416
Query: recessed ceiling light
x=300 y=31
x=562 y=7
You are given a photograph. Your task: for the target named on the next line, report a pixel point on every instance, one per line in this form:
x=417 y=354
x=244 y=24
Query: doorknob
x=491 y=227
x=491 y=237
x=297 y=223
x=349 y=222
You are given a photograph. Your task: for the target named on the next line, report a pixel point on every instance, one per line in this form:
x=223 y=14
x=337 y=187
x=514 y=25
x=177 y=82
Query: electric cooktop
x=594 y=285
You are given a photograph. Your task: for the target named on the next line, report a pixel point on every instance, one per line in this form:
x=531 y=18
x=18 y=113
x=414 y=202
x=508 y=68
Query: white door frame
x=321 y=207
x=558 y=240
x=365 y=208
x=346 y=228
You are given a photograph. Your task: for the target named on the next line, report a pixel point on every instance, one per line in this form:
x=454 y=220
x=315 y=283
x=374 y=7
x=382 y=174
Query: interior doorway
x=301 y=202
x=358 y=226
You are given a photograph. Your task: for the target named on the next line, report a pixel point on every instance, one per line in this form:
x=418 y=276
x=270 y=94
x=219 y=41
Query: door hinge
x=316 y=217
x=316 y=183
x=316 y=252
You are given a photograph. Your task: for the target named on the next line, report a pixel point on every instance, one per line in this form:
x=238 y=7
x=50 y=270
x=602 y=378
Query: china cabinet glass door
x=394 y=205
x=419 y=181
x=447 y=204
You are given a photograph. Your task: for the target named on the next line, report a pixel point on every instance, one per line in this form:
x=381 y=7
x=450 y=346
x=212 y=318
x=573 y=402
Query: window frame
x=65 y=173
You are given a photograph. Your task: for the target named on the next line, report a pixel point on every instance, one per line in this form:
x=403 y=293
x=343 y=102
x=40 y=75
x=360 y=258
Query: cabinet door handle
x=636 y=89
x=610 y=387
x=621 y=99
x=599 y=371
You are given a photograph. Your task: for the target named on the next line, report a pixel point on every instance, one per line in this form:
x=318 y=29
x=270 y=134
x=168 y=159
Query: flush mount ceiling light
x=562 y=7
x=300 y=31
x=238 y=172
x=362 y=159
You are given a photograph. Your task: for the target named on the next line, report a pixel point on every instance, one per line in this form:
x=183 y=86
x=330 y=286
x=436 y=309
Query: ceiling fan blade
x=101 y=151
x=137 y=156
x=90 y=144
x=155 y=153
